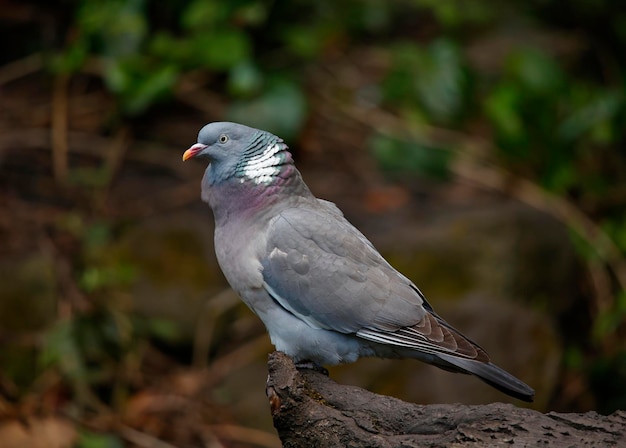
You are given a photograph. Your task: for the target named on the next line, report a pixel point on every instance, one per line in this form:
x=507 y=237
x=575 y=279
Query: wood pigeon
x=324 y=293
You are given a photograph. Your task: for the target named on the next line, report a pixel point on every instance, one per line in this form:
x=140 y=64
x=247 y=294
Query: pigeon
x=324 y=293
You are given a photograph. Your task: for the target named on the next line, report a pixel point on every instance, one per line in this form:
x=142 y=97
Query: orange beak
x=191 y=152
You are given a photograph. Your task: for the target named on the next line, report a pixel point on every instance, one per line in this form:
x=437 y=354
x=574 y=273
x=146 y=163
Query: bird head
x=238 y=151
x=220 y=140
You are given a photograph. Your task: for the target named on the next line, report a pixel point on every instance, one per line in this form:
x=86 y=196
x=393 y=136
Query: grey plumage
x=323 y=291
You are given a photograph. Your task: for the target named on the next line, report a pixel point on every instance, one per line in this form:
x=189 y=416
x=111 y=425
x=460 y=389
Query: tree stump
x=311 y=410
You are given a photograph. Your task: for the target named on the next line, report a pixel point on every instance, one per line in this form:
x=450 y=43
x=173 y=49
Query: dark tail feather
x=492 y=375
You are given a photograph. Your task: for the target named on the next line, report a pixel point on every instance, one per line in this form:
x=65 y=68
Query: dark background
x=479 y=144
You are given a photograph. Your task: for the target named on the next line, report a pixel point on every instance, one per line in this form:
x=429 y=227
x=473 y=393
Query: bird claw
x=311 y=365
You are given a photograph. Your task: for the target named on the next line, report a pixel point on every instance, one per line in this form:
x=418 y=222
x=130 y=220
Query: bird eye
x=223 y=138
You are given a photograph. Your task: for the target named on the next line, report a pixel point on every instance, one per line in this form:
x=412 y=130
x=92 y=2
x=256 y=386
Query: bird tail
x=492 y=375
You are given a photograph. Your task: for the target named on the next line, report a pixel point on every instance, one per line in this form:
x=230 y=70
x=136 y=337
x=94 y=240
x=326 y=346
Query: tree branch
x=311 y=410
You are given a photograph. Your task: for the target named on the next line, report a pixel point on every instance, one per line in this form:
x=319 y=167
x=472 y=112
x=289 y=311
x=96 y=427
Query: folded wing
x=322 y=269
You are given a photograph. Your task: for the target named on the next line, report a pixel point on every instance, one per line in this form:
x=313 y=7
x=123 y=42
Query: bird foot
x=311 y=365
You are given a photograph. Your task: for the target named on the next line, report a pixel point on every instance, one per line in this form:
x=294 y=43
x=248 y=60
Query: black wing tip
x=493 y=375
x=521 y=391
x=507 y=383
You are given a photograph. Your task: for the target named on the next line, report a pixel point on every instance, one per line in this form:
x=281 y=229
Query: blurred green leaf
x=375 y=15
x=222 y=49
x=561 y=177
x=502 y=107
x=138 y=83
x=245 y=79
x=402 y=156
x=573 y=358
x=280 y=109
x=307 y=41
x=71 y=58
x=164 y=329
x=441 y=79
x=98 y=277
x=88 y=439
x=96 y=236
x=90 y=176
x=535 y=71
x=152 y=88
x=398 y=85
x=117 y=76
x=61 y=349
x=252 y=13
x=453 y=13
x=103 y=338
x=170 y=49
x=593 y=113
x=433 y=77
x=202 y=15
x=118 y=27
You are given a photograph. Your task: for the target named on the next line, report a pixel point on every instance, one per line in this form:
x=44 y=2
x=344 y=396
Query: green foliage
x=88 y=439
x=94 y=349
x=71 y=59
x=524 y=108
x=88 y=348
x=307 y=41
x=139 y=83
x=69 y=345
x=431 y=79
x=454 y=13
x=245 y=80
x=160 y=329
x=142 y=67
x=402 y=156
x=281 y=108
x=100 y=273
x=116 y=28
x=98 y=347
x=221 y=50
x=591 y=114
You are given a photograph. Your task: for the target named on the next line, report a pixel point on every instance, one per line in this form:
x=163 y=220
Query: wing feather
x=322 y=269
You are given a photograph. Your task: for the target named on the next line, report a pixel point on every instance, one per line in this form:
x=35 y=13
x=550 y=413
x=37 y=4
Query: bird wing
x=322 y=269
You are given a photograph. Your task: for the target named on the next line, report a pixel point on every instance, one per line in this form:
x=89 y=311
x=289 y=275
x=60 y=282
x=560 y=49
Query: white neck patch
x=262 y=168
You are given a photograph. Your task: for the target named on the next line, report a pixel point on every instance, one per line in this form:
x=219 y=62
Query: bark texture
x=311 y=410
